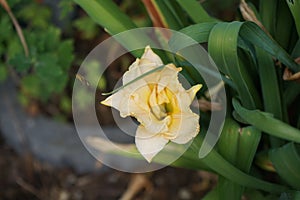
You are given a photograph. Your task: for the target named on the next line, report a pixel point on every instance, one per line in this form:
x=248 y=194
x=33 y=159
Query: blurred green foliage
x=82 y=96
x=87 y=26
x=44 y=72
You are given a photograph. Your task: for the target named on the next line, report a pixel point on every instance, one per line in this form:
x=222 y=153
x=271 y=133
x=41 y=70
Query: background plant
x=41 y=68
x=261 y=132
x=41 y=61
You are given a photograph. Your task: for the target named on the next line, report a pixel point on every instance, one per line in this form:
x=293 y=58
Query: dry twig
x=206 y=105
x=17 y=26
x=289 y=76
x=249 y=15
x=156 y=19
x=137 y=183
x=28 y=188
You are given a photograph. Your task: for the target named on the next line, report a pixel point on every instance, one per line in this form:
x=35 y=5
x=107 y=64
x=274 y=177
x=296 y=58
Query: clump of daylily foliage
x=257 y=54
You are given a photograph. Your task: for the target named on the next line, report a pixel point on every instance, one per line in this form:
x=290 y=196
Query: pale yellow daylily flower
x=159 y=102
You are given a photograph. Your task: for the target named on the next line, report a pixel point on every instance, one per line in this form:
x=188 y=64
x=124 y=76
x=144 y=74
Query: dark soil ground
x=22 y=178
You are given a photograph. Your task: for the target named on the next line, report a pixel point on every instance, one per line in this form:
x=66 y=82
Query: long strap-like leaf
x=196 y=11
x=267 y=123
x=223 y=47
x=258 y=37
x=107 y=14
x=286 y=161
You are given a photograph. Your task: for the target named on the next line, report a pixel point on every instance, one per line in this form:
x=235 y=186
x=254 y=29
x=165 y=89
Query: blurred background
x=42 y=44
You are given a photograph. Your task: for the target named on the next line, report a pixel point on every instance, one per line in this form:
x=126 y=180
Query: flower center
x=160 y=102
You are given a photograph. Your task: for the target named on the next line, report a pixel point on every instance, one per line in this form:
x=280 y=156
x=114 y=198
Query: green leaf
x=66 y=104
x=3 y=72
x=228 y=143
x=47 y=68
x=65 y=54
x=178 y=12
x=107 y=14
x=228 y=189
x=270 y=89
x=238 y=146
x=190 y=36
x=259 y=38
x=195 y=10
x=20 y=62
x=168 y=14
x=198 y=32
x=213 y=161
x=269 y=84
x=248 y=143
x=291 y=195
x=14 y=47
x=66 y=7
x=58 y=84
x=257 y=195
x=292 y=89
x=82 y=98
x=212 y=195
x=88 y=27
x=266 y=123
x=31 y=86
x=13 y=3
x=228 y=146
x=286 y=161
x=291 y=92
x=91 y=74
x=52 y=77
x=51 y=38
x=284 y=25
x=6 y=28
x=42 y=41
x=44 y=83
x=294 y=6
x=223 y=48
x=37 y=15
x=221 y=166
x=296 y=49
x=267 y=11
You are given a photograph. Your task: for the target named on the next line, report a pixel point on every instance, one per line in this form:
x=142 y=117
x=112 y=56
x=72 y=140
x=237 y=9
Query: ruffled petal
x=153 y=125
x=193 y=91
x=151 y=56
x=185 y=98
x=147 y=144
x=148 y=61
x=129 y=103
x=168 y=78
x=116 y=101
x=184 y=127
x=135 y=70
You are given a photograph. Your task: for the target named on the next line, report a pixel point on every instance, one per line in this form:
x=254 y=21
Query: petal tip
x=198 y=87
x=106 y=102
x=151 y=56
x=148 y=158
x=149 y=147
x=193 y=90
